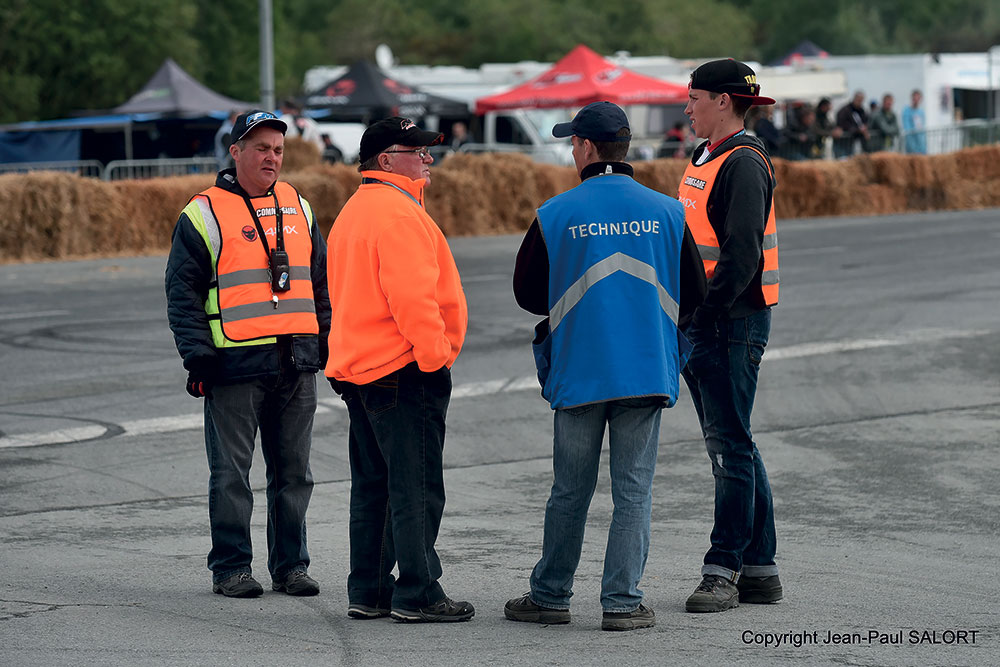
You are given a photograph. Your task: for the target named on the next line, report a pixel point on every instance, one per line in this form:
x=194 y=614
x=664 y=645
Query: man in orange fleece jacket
x=399 y=320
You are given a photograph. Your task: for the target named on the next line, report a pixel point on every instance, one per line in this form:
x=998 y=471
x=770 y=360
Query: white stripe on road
x=7 y=317
x=472 y=389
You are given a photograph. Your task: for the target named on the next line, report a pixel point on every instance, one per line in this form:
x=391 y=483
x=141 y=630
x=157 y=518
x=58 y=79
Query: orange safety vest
x=694 y=192
x=247 y=307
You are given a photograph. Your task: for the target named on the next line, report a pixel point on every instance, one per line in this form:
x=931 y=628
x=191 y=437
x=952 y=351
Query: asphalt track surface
x=878 y=417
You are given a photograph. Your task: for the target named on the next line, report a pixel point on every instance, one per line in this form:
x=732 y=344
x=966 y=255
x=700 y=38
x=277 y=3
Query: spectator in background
x=677 y=142
x=459 y=136
x=800 y=139
x=884 y=126
x=300 y=125
x=823 y=127
x=766 y=131
x=915 y=140
x=853 y=123
x=222 y=141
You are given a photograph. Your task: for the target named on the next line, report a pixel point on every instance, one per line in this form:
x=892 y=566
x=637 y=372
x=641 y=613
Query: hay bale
x=300 y=154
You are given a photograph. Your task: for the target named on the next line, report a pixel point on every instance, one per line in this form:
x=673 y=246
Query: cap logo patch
x=406 y=124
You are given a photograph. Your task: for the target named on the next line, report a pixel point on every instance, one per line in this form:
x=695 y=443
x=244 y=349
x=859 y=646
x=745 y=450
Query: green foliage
x=62 y=56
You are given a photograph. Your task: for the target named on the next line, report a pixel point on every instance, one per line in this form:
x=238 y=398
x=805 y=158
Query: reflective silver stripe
x=769 y=277
x=264 y=309
x=600 y=271
x=708 y=253
x=250 y=276
x=211 y=226
x=771 y=241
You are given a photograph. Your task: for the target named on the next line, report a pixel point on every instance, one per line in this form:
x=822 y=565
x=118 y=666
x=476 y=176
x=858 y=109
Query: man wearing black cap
x=400 y=317
x=727 y=192
x=611 y=267
x=248 y=305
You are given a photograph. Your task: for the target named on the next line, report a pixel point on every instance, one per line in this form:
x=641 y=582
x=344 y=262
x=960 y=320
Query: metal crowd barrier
x=88 y=168
x=117 y=170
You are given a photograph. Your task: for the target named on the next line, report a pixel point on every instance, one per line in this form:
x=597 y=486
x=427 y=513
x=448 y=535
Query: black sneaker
x=240 y=585
x=523 y=609
x=759 y=590
x=714 y=593
x=365 y=612
x=445 y=610
x=642 y=617
x=296 y=582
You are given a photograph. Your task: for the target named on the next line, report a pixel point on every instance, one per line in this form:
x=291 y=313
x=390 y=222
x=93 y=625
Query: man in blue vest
x=614 y=270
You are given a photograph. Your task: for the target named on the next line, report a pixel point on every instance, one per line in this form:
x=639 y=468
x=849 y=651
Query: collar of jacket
x=414 y=187
x=739 y=139
x=226 y=180
x=601 y=168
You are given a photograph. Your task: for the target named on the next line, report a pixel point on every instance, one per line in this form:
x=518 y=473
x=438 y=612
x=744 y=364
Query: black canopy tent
x=172 y=93
x=365 y=94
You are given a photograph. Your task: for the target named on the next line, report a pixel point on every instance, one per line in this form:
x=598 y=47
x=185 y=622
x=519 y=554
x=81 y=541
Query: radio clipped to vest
x=280 y=272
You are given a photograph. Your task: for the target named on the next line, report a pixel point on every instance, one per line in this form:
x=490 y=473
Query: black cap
x=729 y=76
x=598 y=121
x=391 y=131
x=246 y=122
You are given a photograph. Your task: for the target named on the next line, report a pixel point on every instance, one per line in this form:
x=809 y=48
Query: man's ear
x=383 y=162
x=234 y=150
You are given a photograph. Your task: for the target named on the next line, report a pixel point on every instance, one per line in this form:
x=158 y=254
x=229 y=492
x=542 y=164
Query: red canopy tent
x=582 y=77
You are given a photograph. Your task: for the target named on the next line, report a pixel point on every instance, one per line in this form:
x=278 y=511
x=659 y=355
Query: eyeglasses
x=422 y=153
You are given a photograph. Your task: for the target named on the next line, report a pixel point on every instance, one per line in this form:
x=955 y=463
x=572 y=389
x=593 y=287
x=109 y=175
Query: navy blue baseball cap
x=246 y=122
x=598 y=121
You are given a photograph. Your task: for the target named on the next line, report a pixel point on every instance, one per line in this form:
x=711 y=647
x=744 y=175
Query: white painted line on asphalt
x=7 y=317
x=471 y=389
x=833 y=347
x=485 y=278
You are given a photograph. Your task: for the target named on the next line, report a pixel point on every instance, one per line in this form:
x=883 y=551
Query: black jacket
x=188 y=277
x=738 y=207
x=531 y=270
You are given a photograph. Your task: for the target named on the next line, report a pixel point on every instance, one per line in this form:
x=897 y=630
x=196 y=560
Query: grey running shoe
x=296 y=582
x=714 y=593
x=240 y=585
x=445 y=610
x=523 y=609
x=641 y=617
x=759 y=590
x=364 y=611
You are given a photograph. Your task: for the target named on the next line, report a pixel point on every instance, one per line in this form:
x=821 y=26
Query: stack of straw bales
x=60 y=216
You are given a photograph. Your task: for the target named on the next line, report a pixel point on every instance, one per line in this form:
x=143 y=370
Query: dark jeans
x=282 y=407
x=397 y=486
x=722 y=376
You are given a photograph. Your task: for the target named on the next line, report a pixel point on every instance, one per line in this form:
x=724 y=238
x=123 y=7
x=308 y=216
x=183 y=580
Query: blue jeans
x=396 y=449
x=282 y=407
x=722 y=376
x=633 y=430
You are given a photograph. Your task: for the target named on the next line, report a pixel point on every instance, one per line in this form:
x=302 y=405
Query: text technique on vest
x=633 y=227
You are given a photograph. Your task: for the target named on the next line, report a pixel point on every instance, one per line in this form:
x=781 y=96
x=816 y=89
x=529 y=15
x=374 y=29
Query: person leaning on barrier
x=248 y=306
x=400 y=318
x=728 y=191
x=610 y=265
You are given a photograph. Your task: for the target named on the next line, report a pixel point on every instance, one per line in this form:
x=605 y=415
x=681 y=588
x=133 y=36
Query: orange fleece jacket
x=394 y=288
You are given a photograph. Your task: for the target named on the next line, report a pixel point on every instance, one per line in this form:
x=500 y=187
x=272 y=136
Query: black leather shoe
x=297 y=582
x=523 y=609
x=759 y=590
x=241 y=585
x=714 y=593
x=641 y=617
x=445 y=610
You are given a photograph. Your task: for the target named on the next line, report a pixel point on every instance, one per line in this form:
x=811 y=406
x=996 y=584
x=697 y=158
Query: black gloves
x=198 y=386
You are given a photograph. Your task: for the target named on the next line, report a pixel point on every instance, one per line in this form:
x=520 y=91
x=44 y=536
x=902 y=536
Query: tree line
x=58 y=57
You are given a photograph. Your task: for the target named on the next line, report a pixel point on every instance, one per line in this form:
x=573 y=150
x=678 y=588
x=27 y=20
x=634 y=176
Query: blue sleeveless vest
x=614 y=283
